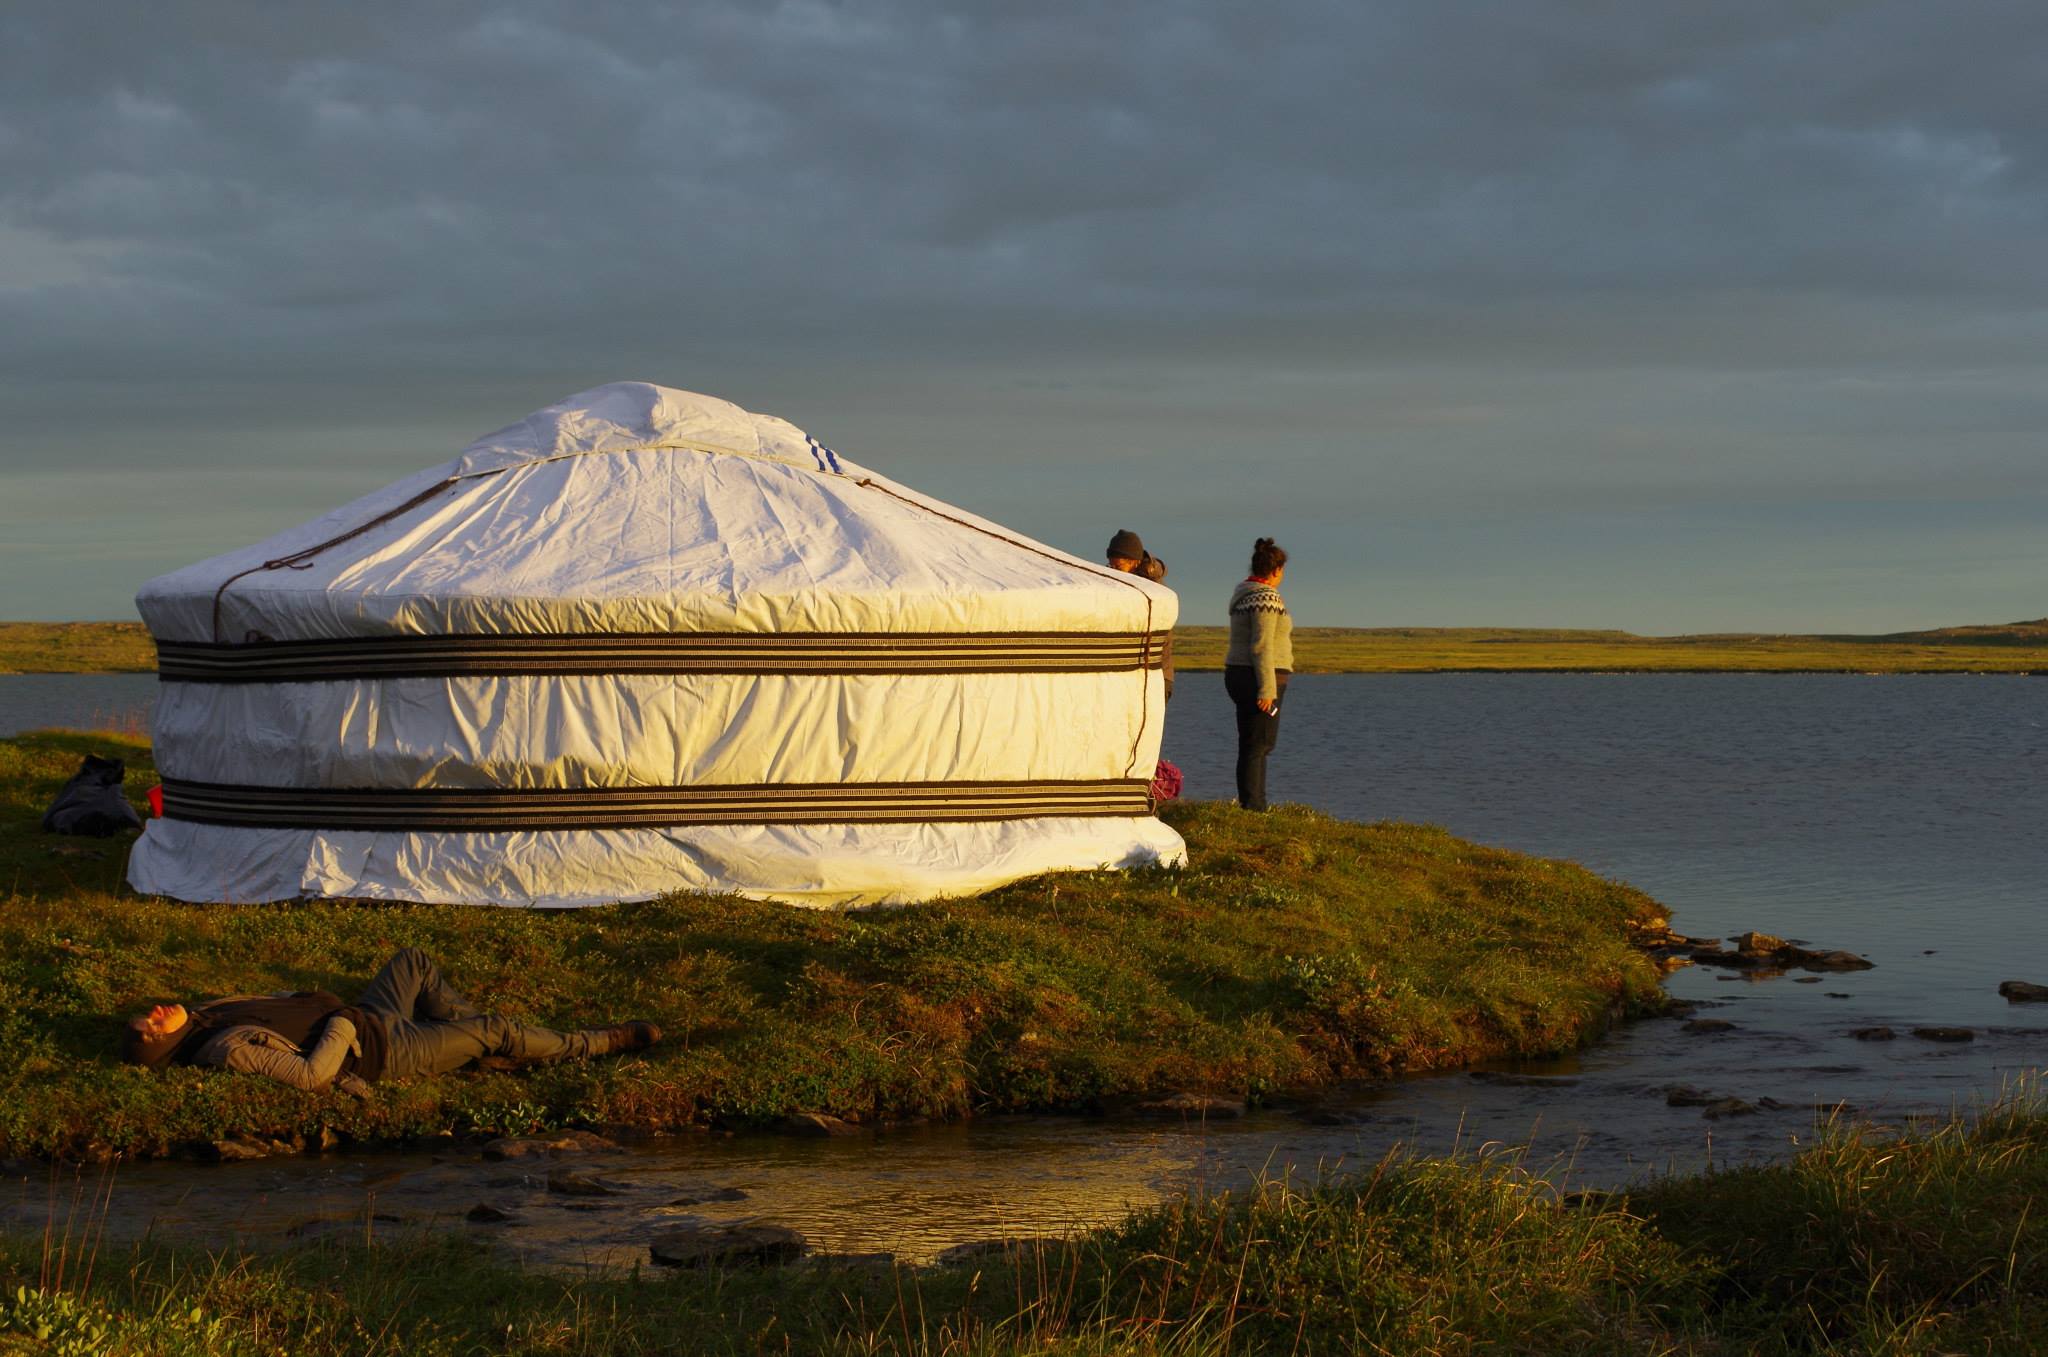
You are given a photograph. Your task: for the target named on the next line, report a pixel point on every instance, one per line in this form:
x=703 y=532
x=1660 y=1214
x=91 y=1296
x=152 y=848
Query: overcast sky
x=1671 y=317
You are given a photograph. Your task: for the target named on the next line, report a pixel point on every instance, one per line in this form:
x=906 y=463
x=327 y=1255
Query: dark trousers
x=1257 y=731
x=431 y=1029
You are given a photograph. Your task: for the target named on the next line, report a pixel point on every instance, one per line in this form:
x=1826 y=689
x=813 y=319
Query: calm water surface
x=76 y=701
x=1899 y=817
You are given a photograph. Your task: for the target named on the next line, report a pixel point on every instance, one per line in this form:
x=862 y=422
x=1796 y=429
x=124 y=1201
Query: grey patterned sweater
x=1261 y=633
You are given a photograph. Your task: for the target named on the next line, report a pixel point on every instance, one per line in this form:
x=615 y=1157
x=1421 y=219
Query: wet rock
x=1944 y=1034
x=1766 y=955
x=1873 y=1034
x=510 y=1148
x=1713 y=956
x=1524 y=1080
x=702 y=1196
x=2023 y=992
x=1773 y=1105
x=816 y=1125
x=549 y=1147
x=1836 y=994
x=850 y=1262
x=1685 y=1095
x=1194 y=1106
x=237 y=1151
x=1826 y=961
x=1701 y=1026
x=744 y=1245
x=571 y=1184
x=991 y=1250
x=483 y=1213
x=1680 y=1008
x=328 y=1140
x=1727 y=1107
x=1807 y=980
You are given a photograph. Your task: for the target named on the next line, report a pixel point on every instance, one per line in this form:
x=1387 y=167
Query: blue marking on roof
x=822 y=455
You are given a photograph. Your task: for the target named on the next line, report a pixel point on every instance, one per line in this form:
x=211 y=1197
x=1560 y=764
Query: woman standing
x=1257 y=666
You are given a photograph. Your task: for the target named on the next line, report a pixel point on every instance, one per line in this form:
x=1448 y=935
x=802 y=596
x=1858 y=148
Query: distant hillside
x=2032 y=633
x=76 y=648
x=2017 y=647
x=2012 y=647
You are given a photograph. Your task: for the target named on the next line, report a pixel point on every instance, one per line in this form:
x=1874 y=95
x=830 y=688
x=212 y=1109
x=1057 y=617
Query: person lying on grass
x=407 y=1021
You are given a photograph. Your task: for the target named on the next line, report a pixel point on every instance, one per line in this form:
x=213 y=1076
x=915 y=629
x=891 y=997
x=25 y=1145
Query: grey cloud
x=1420 y=255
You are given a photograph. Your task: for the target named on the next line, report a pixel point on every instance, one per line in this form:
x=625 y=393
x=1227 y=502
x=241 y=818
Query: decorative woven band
x=429 y=809
x=368 y=657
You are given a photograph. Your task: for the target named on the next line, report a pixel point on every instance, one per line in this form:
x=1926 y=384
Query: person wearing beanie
x=1257 y=666
x=1127 y=555
x=1126 y=551
x=408 y=1021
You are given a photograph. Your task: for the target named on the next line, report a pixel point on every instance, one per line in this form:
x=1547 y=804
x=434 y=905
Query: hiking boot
x=632 y=1036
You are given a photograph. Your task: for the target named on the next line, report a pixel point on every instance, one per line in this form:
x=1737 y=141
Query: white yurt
x=645 y=641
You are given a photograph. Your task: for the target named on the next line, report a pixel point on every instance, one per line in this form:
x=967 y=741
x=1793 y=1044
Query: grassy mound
x=1294 y=950
x=1867 y=1244
x=76 y=648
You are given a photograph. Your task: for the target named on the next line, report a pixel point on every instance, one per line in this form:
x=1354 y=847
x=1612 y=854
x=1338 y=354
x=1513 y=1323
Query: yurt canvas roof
x=637 y=508
x=642 y=641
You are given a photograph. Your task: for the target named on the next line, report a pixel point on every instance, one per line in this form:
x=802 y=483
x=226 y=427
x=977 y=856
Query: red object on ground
x=156 y=801
x=1165 y=783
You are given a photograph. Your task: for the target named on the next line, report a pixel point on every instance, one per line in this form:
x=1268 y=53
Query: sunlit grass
x=1295 y=950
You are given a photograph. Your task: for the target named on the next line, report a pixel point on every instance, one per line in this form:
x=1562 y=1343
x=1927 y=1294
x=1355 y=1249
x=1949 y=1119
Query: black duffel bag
x=91 y=802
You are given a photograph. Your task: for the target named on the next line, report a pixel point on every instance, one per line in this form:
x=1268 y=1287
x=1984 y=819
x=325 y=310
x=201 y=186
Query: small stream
x=1598 y=1119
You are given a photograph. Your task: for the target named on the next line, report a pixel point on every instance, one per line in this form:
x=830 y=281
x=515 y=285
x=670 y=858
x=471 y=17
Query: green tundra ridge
x=1295 y=950
x=2015 y=647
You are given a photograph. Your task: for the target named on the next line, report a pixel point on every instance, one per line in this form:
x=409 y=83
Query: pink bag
x=1165 y=783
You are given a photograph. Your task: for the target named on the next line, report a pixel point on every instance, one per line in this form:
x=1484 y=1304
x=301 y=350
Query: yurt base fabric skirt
x=823 y=866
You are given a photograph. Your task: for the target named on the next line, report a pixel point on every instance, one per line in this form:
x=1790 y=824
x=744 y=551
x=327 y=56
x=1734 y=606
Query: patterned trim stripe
x=660 y=653
x=430 y=809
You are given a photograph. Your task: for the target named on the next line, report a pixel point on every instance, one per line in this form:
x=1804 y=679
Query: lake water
x=76 y=701
x=1898 y=817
